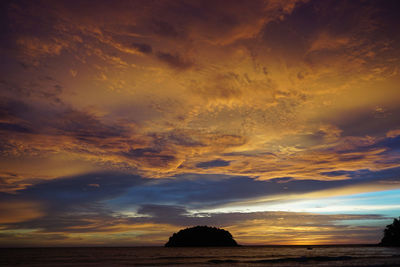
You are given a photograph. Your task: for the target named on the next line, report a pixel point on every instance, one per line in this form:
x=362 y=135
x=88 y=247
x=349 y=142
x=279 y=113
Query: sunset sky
x=122 y=122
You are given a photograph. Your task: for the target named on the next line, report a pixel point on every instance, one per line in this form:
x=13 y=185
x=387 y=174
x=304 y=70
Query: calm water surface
x=238 y=256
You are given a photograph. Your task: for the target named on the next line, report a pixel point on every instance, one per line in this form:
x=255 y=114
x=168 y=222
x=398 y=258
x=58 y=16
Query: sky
x=123 y=122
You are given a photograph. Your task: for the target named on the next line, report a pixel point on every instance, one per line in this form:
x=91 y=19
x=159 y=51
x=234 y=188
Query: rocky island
x=201 y=236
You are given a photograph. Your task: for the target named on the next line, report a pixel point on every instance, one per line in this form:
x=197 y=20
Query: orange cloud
x=18 y=211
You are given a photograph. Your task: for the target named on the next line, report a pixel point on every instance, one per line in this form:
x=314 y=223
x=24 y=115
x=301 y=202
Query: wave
x=282 y=260
x=305 y=259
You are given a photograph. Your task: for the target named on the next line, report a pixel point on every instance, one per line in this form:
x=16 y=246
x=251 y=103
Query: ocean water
x=210 y=256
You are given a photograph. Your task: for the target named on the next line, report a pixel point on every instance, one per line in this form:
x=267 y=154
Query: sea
x=203 y=256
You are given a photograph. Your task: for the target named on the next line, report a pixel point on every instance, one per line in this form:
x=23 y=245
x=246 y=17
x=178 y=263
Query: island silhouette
x=391 y=234
x=201 y=236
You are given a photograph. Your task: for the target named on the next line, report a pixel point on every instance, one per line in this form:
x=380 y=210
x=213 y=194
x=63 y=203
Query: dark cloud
x=142 y=47
x=78 y=190
x=175 y=60
x=74 y=201
x=212 y=20
x=165 y=29
x=84 y=126
x=12 y=108
x=367 y=122
x=5 y=27
x=389 y=146
x=364 y=175
x=56 y=120
x=354 y=21
x=213 y=164
x=392 y=143
x=14 y=128
x=44 y=88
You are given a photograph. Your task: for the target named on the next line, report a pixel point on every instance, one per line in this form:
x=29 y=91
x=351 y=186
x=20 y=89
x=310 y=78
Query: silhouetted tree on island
x=391 y=234
x=201 y=236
